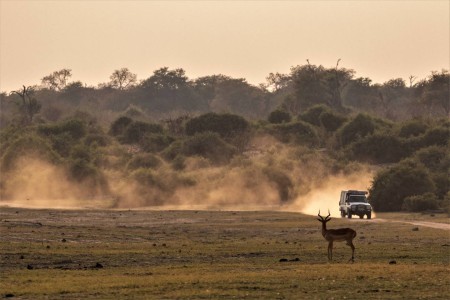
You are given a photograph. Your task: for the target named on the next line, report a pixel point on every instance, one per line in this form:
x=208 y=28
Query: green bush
x=81 y=170
x=137 y=130
x=391 y=186
x=62 y=143
x=442 y=183
x=312 y=114
x=279 y=116
x=155 y=142
x=209 y=145
x=226 y=125
x=378 y=148
x=175 y=149
x=26 y=146
x=143 y=160
x=119 y=126
x=74 y=127
x=435 y=136
x=145 y=177
x=134 y=111
x=331 y=121
x=295 y=132
x=417 y=203
x=81 y=152
x=412 y=128
x=179 y=162
x=97 y=139
x=434 y=158
x=357 y=128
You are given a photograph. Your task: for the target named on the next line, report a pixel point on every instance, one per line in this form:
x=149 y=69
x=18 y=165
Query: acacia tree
x=57 y=80
x=122 y=79
x=318 y=85
x=278 y=81
x=28 y=106
x=435 y=92
x=392 y=90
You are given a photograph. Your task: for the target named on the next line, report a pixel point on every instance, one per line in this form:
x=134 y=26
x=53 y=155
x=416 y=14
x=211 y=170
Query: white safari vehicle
x=355 y=203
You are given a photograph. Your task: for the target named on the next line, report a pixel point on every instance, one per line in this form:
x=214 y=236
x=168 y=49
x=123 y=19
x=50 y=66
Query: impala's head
x=322 y=219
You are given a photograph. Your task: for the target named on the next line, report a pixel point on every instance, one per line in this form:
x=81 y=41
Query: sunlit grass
x=219 y=255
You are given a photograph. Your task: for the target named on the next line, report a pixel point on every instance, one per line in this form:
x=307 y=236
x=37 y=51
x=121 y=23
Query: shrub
x=133 y=111
x=378 y=148
x=62 y=143
x=97 y=139
x=297 y=132
x=119 y=126
x=179 y=163
x=74 y=127
x=427 y=201
x=279 y=116
x=435 y=158
x=435 y=136
x=210 y=146
x=331 y=121
x=143 y=160
x=145 y=177
x=442 y=183
x=173 y=150
x=81 y=169
x=312 y=114
x=82 y=152
x=226 y=125
x=28 y=145
x=412 y=128
x=136 y=131
x=391 y=186
x=155 y=142
x=357 y=128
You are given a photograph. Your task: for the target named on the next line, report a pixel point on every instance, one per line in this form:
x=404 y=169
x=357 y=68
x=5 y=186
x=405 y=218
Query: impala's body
x=336 y=235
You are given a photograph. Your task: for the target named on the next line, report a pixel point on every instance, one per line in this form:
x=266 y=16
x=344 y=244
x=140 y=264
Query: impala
x=336 y=235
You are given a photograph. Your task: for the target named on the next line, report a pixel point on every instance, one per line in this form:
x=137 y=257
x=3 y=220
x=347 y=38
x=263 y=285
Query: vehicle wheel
x=361 y=216
x=349 y=215
x=369 y=216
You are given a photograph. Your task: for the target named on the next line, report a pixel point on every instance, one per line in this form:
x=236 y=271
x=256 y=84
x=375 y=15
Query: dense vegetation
x=168 y=133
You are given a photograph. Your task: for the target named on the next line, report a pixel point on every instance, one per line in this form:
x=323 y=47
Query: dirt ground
x=159 y=254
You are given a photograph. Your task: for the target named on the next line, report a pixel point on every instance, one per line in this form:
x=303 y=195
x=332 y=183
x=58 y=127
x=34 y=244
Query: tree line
x=162 y=132
x=169 y=92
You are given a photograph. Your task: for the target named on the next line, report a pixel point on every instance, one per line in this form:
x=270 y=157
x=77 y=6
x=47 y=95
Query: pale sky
x=245 y=39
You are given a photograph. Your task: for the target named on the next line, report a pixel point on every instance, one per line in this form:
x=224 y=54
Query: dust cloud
x=326 y=196
x=35 y=183
x=270 y=176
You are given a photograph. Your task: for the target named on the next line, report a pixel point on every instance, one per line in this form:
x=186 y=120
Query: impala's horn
x=321 y=218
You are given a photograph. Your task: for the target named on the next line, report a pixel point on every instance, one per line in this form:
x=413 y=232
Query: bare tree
x=122 y=79
x=29 y=106
x=412 y=78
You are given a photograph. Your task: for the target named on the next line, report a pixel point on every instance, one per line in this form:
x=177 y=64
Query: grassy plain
x=112 y=254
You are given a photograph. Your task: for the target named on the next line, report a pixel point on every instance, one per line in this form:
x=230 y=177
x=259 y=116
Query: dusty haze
x=241 y=185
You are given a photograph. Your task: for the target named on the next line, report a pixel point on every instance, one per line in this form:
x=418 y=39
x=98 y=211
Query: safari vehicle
x=355 y=203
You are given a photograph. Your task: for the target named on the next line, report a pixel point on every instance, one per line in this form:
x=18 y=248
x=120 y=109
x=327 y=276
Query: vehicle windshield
x=357 y=198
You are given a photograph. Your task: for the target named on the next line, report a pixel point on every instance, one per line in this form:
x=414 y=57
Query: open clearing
x=75 y=254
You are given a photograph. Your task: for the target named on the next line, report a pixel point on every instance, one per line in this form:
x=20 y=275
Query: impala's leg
x=350 y=243
x=330 y=250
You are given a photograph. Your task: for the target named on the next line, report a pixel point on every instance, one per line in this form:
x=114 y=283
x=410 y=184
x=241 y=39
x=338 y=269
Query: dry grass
x=218 y=255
